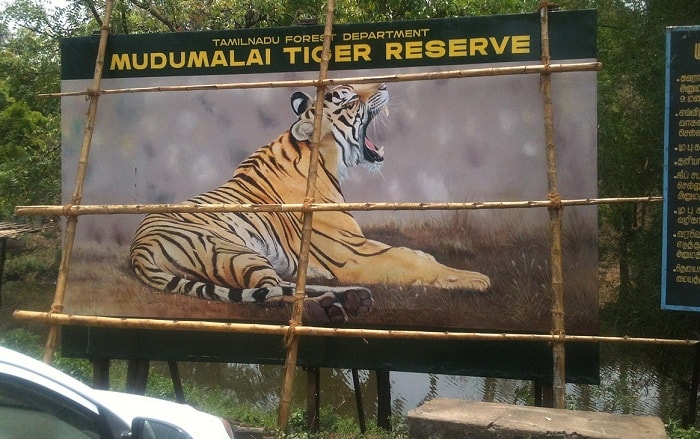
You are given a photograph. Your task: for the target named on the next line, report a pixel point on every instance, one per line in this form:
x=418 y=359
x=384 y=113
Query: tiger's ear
x=303 y=129
x=300 y=102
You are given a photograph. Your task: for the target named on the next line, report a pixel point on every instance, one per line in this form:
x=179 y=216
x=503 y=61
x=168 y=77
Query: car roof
x=19 y=360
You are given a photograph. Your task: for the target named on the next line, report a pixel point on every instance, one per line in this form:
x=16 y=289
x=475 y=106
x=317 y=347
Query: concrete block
x=450 y=418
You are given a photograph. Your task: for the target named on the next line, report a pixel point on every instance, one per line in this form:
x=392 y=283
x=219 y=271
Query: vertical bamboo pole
x=555 y=219
x=57 y=305
x=292 y=339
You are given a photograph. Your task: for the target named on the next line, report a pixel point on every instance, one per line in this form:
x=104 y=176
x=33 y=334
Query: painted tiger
x=249 y=257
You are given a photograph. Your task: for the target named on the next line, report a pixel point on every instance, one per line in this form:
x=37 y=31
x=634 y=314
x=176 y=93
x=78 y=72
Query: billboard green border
x=453 y=357
x=454 y=41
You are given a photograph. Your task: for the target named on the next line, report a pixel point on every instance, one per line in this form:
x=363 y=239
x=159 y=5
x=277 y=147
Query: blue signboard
x=681 y=242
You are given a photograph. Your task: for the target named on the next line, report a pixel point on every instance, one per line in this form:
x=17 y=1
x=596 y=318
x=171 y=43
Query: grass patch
x=34 y=257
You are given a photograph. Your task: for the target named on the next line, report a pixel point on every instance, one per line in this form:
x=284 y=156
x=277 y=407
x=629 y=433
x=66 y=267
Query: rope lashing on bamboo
x=555 y=201
x=68 y=209
x=291 y=331
x=547 y=4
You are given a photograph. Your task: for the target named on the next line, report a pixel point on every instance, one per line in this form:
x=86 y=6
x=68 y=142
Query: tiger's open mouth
x=372 y=152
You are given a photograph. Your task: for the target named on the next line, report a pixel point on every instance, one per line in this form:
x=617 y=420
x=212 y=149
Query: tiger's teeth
x=380 y=150
x=386 y=111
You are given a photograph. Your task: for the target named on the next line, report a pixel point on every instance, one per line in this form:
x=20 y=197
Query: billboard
x=680 y=275
x=447 y=140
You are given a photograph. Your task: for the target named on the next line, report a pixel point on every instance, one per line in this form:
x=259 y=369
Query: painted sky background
x=468 y=139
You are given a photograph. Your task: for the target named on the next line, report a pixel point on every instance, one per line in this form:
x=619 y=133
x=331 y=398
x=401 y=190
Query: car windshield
x=30 y=411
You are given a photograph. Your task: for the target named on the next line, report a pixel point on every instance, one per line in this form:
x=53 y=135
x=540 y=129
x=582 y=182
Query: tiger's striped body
x=247 y=257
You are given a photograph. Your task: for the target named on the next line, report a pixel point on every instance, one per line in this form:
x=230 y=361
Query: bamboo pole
x=426 y=76
x=555 y=223
x=119 y=209
x=291 y=337
x=71 y=224
x=315 y=331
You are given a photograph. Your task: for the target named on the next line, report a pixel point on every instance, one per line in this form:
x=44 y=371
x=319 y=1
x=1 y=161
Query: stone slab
x=443 y=418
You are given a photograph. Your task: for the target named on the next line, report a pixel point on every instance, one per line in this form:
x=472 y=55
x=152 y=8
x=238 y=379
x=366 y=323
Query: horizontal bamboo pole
x=464 y=73
x=282 y=330
x=115 y=209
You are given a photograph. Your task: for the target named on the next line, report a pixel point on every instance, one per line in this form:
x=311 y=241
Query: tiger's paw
x=479 y=282
x=337 y=304
x=466 y=280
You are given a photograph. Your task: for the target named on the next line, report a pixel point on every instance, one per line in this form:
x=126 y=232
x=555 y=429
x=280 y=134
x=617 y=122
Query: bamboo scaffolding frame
x=555 y=222
x=119 y=209
x=451 y=74
x=294 y=330
x=69 y=236
x=317 y=331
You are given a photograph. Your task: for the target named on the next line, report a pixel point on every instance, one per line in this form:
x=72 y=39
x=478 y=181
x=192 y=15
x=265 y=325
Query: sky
x=57 y=3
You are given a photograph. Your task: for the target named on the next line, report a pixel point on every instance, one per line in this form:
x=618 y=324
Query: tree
x=143 y=16
x=29 y=125
x=631 y=115
x=30 y=159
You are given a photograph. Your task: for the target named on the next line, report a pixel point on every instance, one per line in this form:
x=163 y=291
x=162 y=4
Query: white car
x=39 y=401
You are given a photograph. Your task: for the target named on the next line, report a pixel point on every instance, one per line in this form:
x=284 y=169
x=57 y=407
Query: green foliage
x=29 y=126
x=631 y=46
x=78 y=368
x=390 y=10
x=333 y=425
x=29 y=57
x=143 y=16
x=630 y=146
x=675 y=431
x=22 y=340
x=37 y=260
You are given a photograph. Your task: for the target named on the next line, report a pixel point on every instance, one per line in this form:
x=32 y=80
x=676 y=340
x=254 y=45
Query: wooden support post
x=537 y=391
x=694 y=383
x=100 y=373
x=358 y=401
x=544 y=396
x=177 y=381
x=693 y=397
x=313 y=399
x=137 y=376
x=548 y=397
x=383 y=399
x=3 y=255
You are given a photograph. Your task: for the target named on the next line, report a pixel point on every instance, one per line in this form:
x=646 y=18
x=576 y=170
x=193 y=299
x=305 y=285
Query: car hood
x=128 y=407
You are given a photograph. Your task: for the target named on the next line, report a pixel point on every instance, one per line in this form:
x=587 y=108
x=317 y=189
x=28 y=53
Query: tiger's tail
x=322 y=303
